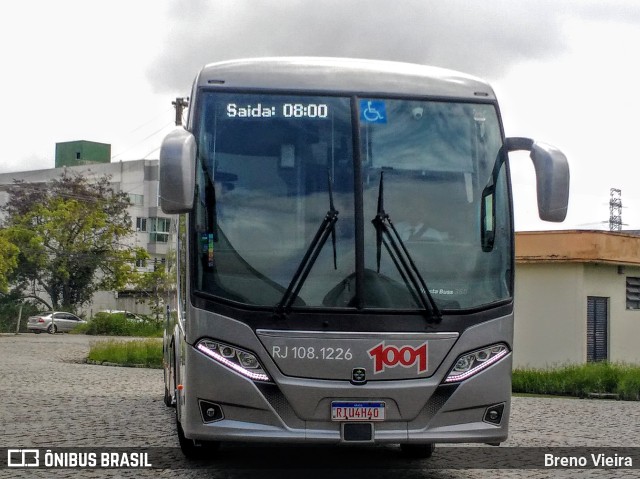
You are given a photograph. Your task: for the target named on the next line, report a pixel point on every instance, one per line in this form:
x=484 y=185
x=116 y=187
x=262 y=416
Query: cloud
x=481 y=38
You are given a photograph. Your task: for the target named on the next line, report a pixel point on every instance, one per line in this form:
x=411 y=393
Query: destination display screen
x=280 y=110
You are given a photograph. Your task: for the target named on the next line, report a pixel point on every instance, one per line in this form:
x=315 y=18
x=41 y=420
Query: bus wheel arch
x=193 y=449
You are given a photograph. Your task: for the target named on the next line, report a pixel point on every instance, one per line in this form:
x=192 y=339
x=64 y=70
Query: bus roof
x=343 y=75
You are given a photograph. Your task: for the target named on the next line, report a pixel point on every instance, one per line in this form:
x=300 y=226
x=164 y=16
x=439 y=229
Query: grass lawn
x=603 y=379
x=135 y=352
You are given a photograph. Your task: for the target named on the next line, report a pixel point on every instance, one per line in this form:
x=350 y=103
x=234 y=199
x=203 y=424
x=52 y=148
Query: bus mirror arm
x=177 y=171
x=552 y=185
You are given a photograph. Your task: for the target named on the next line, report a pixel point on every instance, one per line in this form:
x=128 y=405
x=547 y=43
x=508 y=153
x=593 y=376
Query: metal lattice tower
x=615 y=209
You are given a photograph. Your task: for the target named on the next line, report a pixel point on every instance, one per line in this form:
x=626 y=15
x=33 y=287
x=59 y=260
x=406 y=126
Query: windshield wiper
x=304 y=268
x=387 y=234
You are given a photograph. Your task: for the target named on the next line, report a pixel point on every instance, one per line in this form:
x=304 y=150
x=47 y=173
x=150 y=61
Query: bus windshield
x=272 y=168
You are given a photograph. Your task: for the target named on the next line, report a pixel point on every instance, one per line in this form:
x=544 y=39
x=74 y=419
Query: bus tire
x=167 y=397
x=169 y=400
x=417 y=451
x=193 y=449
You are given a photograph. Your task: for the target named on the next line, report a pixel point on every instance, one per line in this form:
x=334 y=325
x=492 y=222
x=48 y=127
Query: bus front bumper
x=248 y=411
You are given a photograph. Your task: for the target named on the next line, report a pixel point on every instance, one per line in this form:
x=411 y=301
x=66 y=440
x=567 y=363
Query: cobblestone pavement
x=50 y=399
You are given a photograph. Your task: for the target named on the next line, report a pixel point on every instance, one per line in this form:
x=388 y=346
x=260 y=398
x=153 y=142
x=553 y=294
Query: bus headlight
x=239 y=360
x=470 y=364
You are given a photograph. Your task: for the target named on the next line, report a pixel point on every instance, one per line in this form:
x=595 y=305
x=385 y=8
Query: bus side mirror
x=177 y=171
x=552 y=182
x=552 y=177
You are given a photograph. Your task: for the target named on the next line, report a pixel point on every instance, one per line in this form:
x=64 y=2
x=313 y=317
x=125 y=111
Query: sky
x=566 y=72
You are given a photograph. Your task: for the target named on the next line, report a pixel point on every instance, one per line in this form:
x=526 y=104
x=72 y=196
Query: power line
x=180 y=104
x=152 y=151
x=160 y=130
x=139 y=127
x=150 y=121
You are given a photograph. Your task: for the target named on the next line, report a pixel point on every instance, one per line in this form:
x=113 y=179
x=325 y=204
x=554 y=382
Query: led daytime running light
x=494 y=357
x=202 y=346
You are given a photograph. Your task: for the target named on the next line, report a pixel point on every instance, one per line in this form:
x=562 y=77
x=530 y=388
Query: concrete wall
x=549 y=325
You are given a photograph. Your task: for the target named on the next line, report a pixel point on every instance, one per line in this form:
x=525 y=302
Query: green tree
x=71 y=233
x=8 y=259
x=152 y=288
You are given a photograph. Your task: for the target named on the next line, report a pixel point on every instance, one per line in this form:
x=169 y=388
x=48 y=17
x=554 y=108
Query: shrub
x=116 y=324
x=10 y=310
x=629 y=384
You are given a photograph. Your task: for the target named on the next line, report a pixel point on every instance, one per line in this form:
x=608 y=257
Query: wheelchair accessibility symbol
x=373 y=111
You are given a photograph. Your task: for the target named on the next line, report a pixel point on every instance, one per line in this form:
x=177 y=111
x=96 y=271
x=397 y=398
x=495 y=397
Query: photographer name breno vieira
x=590 y=460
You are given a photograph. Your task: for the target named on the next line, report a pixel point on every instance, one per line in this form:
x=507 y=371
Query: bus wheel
x=168 y=401
x=193 y=449
x=417 y=451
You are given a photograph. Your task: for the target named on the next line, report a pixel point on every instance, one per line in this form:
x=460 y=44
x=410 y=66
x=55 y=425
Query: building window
x=156 y=263
x=136 y=200
x=597 y=328
x=159 y=230
x=141 y=263
x=141 y=224
x=633 y=293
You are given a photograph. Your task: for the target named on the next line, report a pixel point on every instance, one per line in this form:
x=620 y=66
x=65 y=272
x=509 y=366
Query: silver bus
x=345 y=255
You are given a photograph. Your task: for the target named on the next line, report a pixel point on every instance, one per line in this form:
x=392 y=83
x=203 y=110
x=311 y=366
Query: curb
x=125 y=365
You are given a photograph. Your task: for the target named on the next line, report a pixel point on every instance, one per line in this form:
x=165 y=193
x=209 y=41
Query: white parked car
x=53 y=322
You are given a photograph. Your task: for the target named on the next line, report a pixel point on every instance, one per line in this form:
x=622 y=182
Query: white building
x=139 y=179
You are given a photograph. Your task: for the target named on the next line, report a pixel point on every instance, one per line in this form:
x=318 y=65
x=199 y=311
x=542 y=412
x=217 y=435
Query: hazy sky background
x=565 y=72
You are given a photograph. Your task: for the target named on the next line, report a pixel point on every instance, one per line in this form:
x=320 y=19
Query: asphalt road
x=51 y=399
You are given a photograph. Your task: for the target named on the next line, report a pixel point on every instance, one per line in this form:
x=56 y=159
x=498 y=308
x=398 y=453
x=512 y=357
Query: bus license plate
x=357 y=411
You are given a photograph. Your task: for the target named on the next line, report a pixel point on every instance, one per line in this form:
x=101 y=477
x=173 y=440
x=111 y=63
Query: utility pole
x=180 y=104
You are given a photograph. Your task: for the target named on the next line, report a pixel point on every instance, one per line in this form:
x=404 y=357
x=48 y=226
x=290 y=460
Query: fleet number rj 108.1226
x=302 y=352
